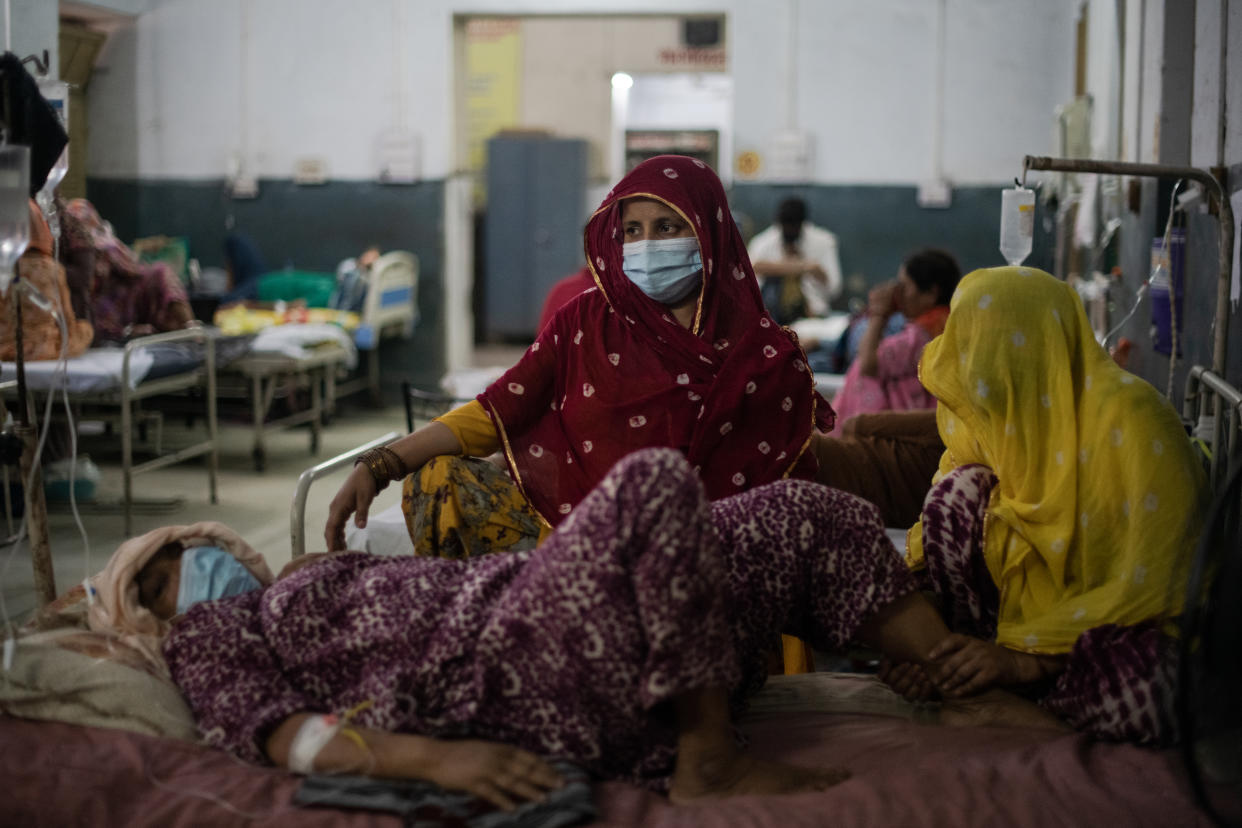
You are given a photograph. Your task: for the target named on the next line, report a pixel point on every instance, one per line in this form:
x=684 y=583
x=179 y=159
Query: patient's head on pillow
x=160 y=579
x=139 y=614
x=177 y=577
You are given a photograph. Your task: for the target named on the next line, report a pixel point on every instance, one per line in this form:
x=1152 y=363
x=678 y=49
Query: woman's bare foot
x=736 y=773
x=998 y=708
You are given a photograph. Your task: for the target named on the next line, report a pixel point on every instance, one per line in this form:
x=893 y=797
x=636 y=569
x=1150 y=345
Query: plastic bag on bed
x=426 y=804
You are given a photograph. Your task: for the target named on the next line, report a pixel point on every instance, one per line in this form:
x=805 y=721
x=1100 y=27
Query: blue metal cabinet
x=533 y=230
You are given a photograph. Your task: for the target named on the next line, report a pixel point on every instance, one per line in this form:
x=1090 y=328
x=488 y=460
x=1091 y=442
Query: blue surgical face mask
x=208 y=573
x=667 y=270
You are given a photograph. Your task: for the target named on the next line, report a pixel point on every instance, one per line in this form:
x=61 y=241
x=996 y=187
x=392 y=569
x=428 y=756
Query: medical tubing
x=1138 y=300
x=1166 y=253
x=1225 y=220
x=73 y=462
x=256 y=815
x=61 y=369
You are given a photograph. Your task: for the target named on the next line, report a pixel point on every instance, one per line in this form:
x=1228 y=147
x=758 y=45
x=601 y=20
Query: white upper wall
x=193 y=84
x=34 y=28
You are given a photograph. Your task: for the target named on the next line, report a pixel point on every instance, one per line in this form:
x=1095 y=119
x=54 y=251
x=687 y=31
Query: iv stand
x=1215 y=186
x=36 y=504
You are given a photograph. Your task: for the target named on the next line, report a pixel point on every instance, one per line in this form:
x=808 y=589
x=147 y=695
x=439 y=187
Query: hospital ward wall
x=197 y=91
x=877 y=226
x=307 y=228
x=1181 y=84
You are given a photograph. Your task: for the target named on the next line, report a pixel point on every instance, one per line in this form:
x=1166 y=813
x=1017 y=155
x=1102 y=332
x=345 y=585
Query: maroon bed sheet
x=904 y=774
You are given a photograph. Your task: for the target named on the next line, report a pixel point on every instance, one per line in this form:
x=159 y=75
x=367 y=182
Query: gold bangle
x=393 y=463
x=374 y=461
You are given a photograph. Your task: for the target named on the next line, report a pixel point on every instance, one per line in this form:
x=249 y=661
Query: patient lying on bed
x=622 y=644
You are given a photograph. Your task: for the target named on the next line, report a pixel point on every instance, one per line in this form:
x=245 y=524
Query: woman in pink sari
x=885 y=377
x=128 y=298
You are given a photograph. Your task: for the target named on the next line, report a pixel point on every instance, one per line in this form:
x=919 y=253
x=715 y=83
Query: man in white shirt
x=797 y=264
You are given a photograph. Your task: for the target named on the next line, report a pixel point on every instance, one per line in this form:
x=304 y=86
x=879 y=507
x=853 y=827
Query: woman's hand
x=908 y=680
x=503 y=775
x=881 y=304
x=968 y=665
x=882 y=300
x=353 y=498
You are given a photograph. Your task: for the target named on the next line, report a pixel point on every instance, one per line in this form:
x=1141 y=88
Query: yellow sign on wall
x=493 y=82
x=748 y=164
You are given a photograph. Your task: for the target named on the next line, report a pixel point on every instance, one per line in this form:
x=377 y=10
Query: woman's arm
x=881 y=304
x=503 y=775
x=360 y=488
x=784 y=268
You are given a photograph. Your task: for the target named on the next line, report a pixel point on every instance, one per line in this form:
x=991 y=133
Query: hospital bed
x=390 y=309
x=121 y=378
x=284 y=361
x=907 y=769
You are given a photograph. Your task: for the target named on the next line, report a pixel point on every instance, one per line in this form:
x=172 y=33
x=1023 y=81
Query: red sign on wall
x=697 y=58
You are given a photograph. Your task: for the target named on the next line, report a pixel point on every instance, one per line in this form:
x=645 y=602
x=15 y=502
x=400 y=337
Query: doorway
x=554 y=77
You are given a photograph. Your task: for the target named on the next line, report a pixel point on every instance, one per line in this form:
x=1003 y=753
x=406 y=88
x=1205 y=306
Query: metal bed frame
x=127 y=398
x=268 y=373
x=297 y=514
x=391 y=308
x=1213 y=408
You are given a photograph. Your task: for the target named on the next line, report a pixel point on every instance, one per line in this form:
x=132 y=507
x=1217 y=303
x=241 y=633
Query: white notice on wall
x=399 y=158
x=790 y=157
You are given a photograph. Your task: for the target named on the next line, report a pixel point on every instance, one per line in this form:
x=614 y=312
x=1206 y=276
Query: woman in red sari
x=673 y=348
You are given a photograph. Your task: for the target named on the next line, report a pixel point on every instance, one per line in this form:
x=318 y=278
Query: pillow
x=65 y=672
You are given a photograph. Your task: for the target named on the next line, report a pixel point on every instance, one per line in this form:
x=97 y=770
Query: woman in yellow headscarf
x=1064 y=515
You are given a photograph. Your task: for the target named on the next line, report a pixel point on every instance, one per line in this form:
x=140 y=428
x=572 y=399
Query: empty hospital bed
x=285 y=360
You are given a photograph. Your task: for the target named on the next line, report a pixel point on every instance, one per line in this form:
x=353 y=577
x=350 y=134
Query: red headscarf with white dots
x=614 y=372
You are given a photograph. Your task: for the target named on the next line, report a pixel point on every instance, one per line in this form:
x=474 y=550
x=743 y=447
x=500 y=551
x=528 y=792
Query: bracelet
x=312 y=737
x=384 y=464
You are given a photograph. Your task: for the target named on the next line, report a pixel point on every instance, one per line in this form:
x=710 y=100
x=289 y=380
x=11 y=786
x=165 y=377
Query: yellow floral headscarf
x=1100 y=496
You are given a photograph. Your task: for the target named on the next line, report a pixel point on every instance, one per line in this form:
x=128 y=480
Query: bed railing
x=297 y=515
x=1210 y=659
x=1213 y=408
x=128 y=395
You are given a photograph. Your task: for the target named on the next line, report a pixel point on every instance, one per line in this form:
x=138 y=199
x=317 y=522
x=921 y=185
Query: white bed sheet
x=828 y=384
x=825 y=330
x=96 y=371
x=297 y=339
x=385 y=534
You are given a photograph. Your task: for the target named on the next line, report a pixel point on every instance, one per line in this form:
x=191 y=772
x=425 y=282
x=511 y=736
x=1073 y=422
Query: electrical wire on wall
x=791 y=69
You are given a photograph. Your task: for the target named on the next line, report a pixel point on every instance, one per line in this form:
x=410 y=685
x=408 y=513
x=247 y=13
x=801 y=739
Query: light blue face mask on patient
x=209 y=573
x=667 y=270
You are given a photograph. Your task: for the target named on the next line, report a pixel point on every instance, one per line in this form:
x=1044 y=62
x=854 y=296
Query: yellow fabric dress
x=1100 y=496
x=460 y=507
